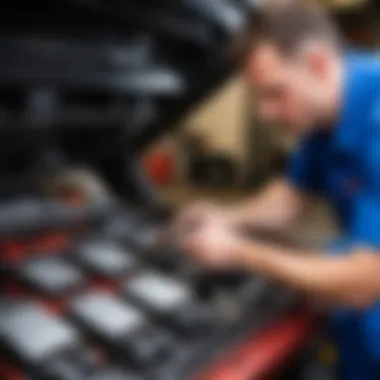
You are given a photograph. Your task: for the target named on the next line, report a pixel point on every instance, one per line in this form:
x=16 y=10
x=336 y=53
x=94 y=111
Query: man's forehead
x=265 y=63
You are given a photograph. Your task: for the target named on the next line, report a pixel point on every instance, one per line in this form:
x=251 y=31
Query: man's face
x=290 y=91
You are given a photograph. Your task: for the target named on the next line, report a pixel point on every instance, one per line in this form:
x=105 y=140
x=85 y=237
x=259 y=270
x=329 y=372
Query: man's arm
x=283 y=200
x=352 y=279
x=275 y=207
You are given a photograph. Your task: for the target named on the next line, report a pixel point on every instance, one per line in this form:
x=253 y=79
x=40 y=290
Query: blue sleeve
x=302 y=171
x=371 y=151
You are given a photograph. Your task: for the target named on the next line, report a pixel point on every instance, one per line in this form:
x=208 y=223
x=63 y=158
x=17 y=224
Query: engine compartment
x=86 y=295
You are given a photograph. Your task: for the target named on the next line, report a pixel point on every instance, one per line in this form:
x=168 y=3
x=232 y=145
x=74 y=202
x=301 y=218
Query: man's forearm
x=257 y=214
x=352 y=279
x=275 y=207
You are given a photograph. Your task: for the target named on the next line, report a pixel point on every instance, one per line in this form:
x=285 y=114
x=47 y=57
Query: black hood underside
x=97 y=81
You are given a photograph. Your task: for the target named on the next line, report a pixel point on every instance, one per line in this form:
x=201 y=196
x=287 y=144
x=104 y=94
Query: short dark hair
x=287 y=27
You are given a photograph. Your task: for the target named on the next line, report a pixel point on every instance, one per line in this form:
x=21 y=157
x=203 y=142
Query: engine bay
x=86 y=294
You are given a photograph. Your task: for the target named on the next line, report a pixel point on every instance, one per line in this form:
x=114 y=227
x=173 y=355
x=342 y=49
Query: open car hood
x=127 y=68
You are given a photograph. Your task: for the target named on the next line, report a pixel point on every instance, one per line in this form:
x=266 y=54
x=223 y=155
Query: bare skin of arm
x=352 y=279
x=273 y=208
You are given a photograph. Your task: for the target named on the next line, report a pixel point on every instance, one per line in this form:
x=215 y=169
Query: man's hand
x=215 y=246
x=192 y=219
x=197 y=216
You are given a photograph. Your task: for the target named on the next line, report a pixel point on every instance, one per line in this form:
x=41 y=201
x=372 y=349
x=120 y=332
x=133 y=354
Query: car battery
x=123 y=328
x=47 y=347
x=171 y=301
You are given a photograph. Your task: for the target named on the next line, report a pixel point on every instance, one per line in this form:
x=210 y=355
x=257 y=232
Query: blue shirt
x=344 y=165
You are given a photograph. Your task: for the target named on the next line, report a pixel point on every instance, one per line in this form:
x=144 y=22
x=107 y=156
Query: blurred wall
x=222 y=120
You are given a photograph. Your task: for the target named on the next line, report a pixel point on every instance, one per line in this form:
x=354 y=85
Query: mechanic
x=329 y=97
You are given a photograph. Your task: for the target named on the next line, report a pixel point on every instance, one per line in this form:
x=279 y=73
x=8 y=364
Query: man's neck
x=335 y=95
